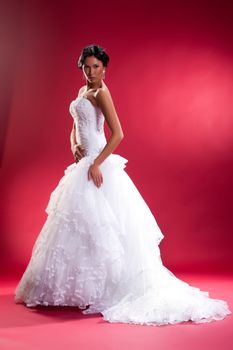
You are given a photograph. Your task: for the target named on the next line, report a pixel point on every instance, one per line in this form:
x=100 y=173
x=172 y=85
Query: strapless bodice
x=89 y=123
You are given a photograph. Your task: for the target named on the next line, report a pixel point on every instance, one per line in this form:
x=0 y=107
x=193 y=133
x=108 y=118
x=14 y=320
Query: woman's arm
x=73 y=140
x=77 y=150
x=105 y=102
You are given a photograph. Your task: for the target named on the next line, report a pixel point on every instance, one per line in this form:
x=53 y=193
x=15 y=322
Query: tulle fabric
x=99 y=247
x=98 y=250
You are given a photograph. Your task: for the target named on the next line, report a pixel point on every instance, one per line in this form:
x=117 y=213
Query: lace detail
x=89 y=121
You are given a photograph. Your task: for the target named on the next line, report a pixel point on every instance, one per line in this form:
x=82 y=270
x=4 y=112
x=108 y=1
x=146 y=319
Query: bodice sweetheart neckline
x=86 y=98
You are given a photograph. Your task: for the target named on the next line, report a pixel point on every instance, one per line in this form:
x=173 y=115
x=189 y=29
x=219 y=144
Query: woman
x=99 y=247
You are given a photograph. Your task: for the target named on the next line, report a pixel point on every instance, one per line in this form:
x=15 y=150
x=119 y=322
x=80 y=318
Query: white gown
x=100 y=246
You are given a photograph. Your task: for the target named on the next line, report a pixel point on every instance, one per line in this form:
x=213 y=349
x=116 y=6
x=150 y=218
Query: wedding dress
x=99 y=247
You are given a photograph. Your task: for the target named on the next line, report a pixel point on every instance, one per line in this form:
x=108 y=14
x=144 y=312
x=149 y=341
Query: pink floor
x=66 y=328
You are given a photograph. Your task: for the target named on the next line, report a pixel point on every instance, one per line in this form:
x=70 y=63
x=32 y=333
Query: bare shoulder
x=81 y=90
x=105 y=103
x=103 y=95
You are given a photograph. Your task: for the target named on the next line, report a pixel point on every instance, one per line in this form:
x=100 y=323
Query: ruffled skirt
x=99 y=247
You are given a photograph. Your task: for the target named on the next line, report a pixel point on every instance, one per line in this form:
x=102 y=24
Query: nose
x=91 y=71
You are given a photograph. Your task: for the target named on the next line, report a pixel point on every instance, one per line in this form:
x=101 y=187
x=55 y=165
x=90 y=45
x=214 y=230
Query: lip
x=91 y=77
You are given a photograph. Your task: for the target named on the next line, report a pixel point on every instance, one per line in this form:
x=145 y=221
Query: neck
x=93 y=86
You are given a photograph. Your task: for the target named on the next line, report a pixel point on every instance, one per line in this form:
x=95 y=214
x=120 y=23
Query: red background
x=171 y=79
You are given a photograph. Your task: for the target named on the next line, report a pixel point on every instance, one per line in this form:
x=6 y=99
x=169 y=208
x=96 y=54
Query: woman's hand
x=78 y=152
x=95 y=174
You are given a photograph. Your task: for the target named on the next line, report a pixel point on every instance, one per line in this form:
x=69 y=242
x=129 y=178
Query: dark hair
x=93 y=50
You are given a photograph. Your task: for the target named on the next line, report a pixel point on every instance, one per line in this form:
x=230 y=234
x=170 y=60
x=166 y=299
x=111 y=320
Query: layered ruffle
x=100 y=247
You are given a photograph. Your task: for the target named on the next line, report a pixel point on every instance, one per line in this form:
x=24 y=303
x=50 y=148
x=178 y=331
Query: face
x=93 y=69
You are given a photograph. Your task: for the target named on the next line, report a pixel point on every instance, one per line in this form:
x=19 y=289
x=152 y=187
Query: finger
x=78 y=154
x=81 y=150
x=78 y=151
x=97 y=182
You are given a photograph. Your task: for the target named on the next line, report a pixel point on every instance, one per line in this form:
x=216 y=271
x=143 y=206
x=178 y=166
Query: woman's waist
x=92 y=148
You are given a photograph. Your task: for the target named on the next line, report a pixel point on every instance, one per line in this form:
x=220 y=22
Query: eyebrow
x=89 y=66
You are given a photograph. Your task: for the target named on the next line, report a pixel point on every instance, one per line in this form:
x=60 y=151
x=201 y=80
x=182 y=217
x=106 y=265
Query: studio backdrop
x=171 y=79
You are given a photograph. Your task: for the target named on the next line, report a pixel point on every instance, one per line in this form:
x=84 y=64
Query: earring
x=104 y=74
